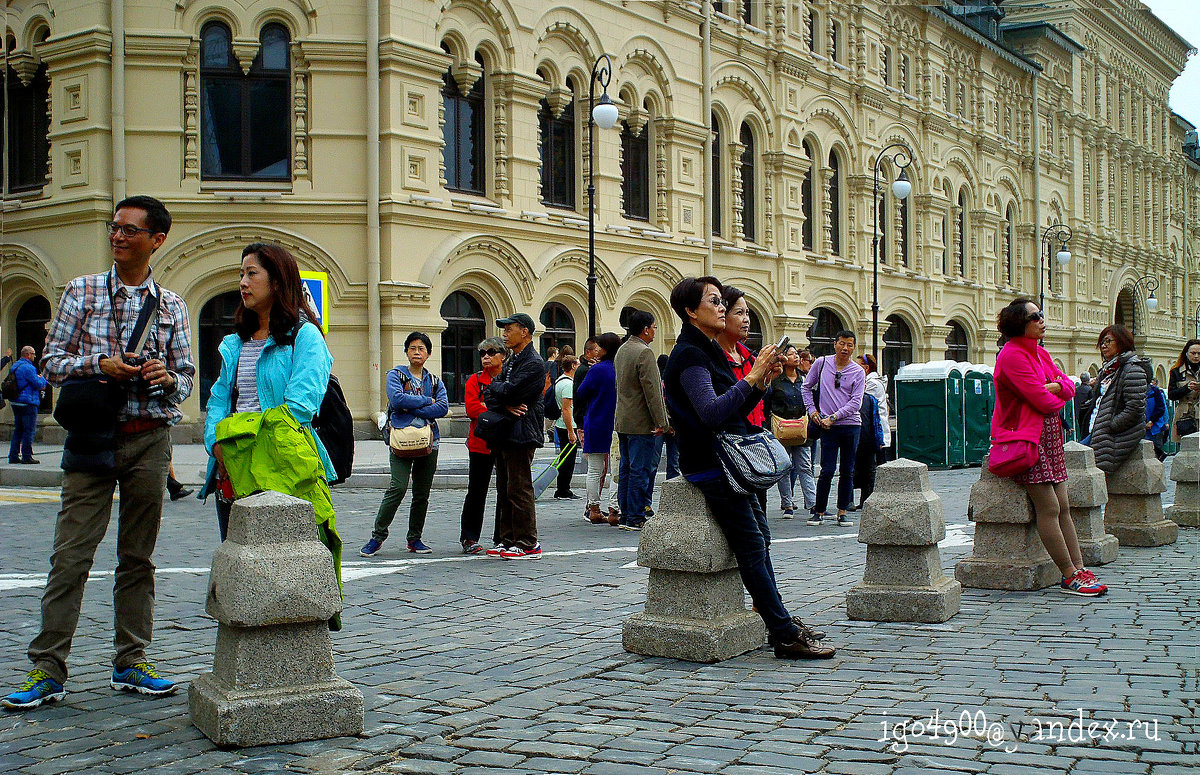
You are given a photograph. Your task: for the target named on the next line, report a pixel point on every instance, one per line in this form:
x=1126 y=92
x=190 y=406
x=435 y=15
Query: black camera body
x=148 y=389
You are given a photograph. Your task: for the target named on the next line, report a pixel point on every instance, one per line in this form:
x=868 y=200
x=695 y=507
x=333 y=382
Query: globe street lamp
x=1062 y=234
x=604 y=115
x=901 y=188
x=1151 y=283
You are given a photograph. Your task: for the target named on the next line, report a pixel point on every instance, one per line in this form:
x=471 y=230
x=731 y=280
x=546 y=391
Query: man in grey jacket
x=641 y=416
x=517 y=391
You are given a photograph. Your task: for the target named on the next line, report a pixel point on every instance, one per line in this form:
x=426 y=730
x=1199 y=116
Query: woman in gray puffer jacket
x=1118 y=412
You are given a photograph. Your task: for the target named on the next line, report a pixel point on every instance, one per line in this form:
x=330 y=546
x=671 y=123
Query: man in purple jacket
x=840 y=383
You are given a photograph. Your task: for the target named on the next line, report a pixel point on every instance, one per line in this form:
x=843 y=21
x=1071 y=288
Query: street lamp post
x=604 y=115
x=1151 y=284
x=901 y=188
x=1063 y=234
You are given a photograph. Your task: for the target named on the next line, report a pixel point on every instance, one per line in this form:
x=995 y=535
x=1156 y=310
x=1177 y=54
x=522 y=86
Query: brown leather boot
x=594 y=516
x=614 y=517
x=800 y=648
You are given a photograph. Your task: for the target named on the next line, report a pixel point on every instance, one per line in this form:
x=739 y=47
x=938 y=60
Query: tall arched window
x=960 y=226
x=216 y=323
x=958 y=348
x=1009 y=240
x=28 y=129
x=245 y=119
x=635 y=171
x=823 y=332
x=755 y=340
x=881 y=215
x=897 y=352
x=715 y=192
x=835 y=204
x=558 y=327
x=806 y=198
x=810 y=22
x=465 y=144
x=749 y=185
x=904 y=231
x=460 y=341
x=558 y=154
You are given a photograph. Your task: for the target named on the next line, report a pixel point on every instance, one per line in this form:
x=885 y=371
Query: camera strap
x=141 y=328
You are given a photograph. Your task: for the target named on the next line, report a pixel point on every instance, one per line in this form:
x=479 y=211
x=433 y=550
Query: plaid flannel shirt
x=87 y=327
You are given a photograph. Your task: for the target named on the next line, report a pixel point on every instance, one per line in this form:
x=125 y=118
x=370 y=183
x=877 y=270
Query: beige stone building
x=435 y=165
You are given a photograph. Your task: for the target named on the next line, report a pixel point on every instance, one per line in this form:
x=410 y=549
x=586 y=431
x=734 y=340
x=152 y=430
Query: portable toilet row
x=944 y=413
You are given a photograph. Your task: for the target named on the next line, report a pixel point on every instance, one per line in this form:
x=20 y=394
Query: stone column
x=1134 y=513
x=695 y=604
x=1087 y=494
x=1185 y=472
x=273 y=591
x=902 y=523
x=1008 y=552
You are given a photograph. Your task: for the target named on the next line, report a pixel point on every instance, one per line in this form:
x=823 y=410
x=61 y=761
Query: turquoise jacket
x=296 y=375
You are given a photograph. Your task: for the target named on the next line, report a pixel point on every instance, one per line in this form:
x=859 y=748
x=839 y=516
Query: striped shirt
x=247 y=376
x=91 y=324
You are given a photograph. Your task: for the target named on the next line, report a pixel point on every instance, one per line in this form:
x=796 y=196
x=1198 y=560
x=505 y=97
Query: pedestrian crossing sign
x=316 y=290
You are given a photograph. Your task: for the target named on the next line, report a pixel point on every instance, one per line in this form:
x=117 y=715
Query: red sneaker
x=1081 y=585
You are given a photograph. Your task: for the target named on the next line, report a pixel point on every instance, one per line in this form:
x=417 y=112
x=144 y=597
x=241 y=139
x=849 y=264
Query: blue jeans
x=24 y=426
x=741 y=520
x=638 y=461
x=840 y=439
x=802 y=470
x=668 y=442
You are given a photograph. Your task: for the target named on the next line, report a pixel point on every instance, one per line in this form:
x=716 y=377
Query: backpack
x=8 y=387
x=335 y=425
x=550 y=401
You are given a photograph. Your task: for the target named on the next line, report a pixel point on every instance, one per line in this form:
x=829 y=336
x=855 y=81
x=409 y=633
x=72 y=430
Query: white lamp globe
x=1064 y=256
x=1151 y=303
x=605 y=113
x=901 y=187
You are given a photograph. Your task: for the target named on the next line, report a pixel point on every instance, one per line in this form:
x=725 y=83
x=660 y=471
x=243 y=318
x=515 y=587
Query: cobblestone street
x=471 y=665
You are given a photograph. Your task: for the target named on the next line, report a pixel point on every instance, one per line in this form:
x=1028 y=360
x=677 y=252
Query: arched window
x=558 y=327
x=958 y=348
x=715 y=193
x=823 y=332
x=835 y=204
x=749 y=186
x=635 y=171
x=245 y=119
x=904 y=232
x=558 y=154
x=465 y=144
x=835 y=36
x=946 y=239
x=460 y=341
x=806 y=198
x=755 y=341
x=216 y=322
x=810 y=22
x=28 y=129
x=897 y=352
x=1009 y=240
x=881 y=214
x=30 y=326
x=960 y=225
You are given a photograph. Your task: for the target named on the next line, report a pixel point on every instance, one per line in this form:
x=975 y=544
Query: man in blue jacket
x=25 y=409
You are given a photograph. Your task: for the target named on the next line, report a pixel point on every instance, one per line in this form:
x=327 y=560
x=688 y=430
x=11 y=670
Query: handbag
x=814 y=429
x=1012 y=458
x=492 y=426
x=791 y=432
x=1186 y=426
x=412 y=441
x=753 y=462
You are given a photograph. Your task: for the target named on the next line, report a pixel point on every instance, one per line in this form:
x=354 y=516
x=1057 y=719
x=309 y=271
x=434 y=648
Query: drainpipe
x=118 y=99
x=374 y=336
x=706 y=106
x=1037 y=184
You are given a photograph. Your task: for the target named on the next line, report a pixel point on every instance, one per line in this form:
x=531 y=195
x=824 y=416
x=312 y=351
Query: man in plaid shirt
x=91 y=329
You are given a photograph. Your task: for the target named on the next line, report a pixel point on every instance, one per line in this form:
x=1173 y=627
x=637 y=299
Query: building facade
x=435 y=166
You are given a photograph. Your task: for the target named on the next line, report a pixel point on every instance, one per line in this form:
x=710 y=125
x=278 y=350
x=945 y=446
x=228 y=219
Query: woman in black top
x=699 y=383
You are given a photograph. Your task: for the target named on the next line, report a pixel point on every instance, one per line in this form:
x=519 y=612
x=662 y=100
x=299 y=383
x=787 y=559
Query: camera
x=146 y=388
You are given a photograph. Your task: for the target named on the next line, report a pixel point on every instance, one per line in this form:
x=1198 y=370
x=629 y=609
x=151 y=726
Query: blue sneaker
x=416 y=547
x=143 y=679
x=370 y=548
x=39 y=687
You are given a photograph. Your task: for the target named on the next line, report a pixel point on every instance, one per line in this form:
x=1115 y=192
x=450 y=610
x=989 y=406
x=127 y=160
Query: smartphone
x=784 y=341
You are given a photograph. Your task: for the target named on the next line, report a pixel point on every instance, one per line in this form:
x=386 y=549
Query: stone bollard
x=1185 y=472
x=1087 y=493
x=1134 y=513
x=273 y=590
x=695 y=605
x=901 y=525
x=1008 y=553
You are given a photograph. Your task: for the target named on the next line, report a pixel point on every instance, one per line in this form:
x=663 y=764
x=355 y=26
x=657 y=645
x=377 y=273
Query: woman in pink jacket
x=1030 y=392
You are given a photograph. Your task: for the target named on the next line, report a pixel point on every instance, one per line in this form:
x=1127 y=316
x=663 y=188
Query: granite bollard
x=1087 y=493
x=695 y=604
x=1007 y=553
x=1134 y=513
x=1185 y=472
x=272 y=591
x=901 y=525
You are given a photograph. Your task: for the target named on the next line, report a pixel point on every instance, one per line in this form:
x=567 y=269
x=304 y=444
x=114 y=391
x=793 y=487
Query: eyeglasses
x=491 y=352
x=129 y=230
x=715 y=301
x=1039 y=315
x=1107 y=340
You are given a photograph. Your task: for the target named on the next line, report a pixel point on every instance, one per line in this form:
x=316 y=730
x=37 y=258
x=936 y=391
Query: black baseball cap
x=520 y=318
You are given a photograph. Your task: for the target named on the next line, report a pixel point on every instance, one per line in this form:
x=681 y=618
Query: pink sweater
x=1022 y=401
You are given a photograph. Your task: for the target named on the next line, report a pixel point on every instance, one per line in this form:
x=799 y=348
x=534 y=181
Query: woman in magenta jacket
x=1030 y=392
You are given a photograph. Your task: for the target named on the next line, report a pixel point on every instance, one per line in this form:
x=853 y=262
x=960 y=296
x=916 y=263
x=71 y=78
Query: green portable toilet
x=929 y=414
x=979 y=397
x=1071 y=432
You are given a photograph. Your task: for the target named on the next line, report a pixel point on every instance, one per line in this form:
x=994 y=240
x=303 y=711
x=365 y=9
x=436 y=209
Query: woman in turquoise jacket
x=277 y=358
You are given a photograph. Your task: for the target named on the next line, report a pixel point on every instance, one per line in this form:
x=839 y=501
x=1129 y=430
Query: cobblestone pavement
x=472 y=665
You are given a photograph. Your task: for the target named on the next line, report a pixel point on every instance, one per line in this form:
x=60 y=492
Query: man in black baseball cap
x=517 y=391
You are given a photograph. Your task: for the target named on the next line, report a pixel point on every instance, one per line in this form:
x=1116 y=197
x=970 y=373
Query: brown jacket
x=640 y=405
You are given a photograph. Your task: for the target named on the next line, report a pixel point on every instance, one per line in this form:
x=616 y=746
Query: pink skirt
x=1051 y=467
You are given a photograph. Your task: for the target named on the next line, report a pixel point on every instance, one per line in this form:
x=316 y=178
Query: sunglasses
x=837 y=380
x=490 y=352
x=1039 y=315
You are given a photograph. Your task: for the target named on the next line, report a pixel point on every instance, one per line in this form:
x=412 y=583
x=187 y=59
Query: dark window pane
x=221 y=127
x=823 y=332
x=28 y=131
x=835 y=205
x=460 y=356
x=716 y=177
x=274 y=52
x=269 y=135
x=806 y=199
x=558 y=156
x=635 y=173
x=215 y=48
x=749 y=187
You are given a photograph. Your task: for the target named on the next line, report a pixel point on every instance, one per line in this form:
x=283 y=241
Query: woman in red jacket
x=1030 y=392
x=481 y=462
